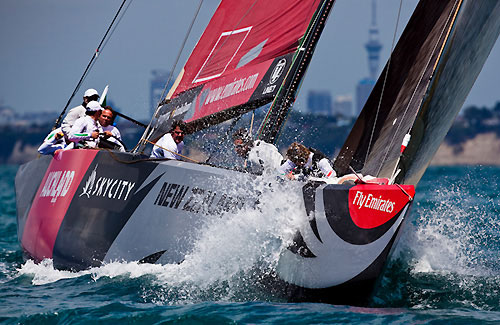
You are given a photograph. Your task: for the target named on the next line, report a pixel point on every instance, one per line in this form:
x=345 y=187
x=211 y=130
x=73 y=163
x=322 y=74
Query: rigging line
x=108 y=38
x=226 y=135
x=307 y=46
x=410 y=198
x=146 y=135
x=116 y=25
x=394 y=173
x=222 y=45
x=385 y=81
x=300 y=48
x=454 y=9
x=172 y=152
x=87 y=69
x=281 y=88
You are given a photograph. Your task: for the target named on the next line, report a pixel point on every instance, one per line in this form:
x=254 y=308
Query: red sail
x=240 y=60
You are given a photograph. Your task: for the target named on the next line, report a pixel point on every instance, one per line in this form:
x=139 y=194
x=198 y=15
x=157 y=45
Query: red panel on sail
x=241 y=36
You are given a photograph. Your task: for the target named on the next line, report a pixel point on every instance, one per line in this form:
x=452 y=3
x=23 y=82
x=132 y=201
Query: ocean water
x=445 y=269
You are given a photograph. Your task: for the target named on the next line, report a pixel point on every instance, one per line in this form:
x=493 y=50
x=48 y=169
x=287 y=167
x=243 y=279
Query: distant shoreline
x=483 y=149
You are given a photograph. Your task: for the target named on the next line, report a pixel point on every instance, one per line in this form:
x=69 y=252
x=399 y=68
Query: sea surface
x=445 y=269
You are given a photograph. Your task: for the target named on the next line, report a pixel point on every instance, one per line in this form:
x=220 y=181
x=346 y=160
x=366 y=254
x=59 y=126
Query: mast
x=276 y=116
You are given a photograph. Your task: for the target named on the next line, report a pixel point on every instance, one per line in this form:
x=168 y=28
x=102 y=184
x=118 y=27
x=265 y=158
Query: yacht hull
x=87 y=207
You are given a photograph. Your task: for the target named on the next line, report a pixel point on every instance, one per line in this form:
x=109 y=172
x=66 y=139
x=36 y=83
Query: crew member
x=53 y=143
x=171 y=144
x=85 y=131
x=79 y=111
x=260 y=155
x=306 y=162
x=111 y=132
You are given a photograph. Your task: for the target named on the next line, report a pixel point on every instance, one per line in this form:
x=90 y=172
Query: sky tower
x=373 y=47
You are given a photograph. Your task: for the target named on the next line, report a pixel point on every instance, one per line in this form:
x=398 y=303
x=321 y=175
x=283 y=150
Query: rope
x=172 y=152
x=89 y=66
x=416 y=87
x=148 y=131
x=226 y=135
x=222 y=45
x=129 y=162
x=304 y=43
x=402 y=189
x=385 y=80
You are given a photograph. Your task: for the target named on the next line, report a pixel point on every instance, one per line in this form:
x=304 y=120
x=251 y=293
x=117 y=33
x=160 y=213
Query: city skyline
x=46 y=47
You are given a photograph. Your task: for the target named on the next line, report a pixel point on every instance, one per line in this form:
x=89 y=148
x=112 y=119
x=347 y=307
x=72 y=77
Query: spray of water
x=451 y=233
x=447 y=254
x=232 y=253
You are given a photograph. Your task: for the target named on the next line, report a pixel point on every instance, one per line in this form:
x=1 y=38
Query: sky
x=46 y=46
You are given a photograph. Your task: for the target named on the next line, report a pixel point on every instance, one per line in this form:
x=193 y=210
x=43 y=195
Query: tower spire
x=373 y=46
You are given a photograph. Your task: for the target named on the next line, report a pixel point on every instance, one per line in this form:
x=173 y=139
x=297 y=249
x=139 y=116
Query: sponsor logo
x=110 y=188
x=269 y=89
x=277 y=71
x=275 y=75
x=362 y=200
x=196 y=199
x=231 y=89
x=57 y=184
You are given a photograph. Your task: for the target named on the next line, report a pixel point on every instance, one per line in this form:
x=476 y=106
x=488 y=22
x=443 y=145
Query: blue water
x=446 y=268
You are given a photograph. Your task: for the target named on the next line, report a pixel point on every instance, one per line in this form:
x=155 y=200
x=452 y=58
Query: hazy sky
x=47 y=44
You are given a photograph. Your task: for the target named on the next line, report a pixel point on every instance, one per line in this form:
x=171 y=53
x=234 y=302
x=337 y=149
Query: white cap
x=90 y=92
x=93 y=106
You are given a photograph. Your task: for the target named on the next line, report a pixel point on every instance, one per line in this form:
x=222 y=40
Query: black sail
x=430 y=73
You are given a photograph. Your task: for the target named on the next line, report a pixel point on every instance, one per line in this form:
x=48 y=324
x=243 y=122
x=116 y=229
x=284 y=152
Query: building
x=373 y=47
x=319 y=102
x=7 y=115
x=363 y=91
x=157 y=85
x=342 y=105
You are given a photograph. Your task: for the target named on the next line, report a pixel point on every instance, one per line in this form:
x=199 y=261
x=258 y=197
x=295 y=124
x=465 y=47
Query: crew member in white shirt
x=85 y=131
x=262 y=157
x=106 y=120
x=306 y=162
x=171 y=144
x=79 y=111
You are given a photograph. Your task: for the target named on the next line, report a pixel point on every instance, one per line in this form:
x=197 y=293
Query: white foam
x=446 y=238
x=236 y=243
x=44 y=272
x=229 y=248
